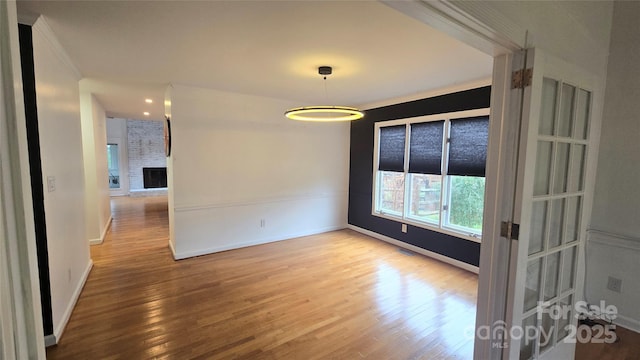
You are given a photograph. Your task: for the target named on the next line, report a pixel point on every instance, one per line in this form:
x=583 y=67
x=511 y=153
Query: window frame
x=445 y=189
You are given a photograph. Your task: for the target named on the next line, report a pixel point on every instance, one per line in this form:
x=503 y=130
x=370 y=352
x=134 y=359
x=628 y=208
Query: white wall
x=612 y=255
x=168 y=94
x=94 y=144
x=58 y=102
x=116 y=128
x=243 y=174
x=102 y=173
x=617 y=201
x=614 y=249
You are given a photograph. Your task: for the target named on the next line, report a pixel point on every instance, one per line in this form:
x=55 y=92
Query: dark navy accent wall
x=361 y=173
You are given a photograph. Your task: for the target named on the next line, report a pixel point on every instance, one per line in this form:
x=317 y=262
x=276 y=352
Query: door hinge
x=520 y=79
x=509 y=230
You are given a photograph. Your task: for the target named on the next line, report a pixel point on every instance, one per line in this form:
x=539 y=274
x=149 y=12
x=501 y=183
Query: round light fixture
x=324 y=113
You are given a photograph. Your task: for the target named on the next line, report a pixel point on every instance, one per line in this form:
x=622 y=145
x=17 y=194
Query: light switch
x=51 y=183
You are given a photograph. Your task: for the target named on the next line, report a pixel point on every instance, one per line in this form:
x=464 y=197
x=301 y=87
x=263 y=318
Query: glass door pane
x=113 y=166
x=555 y=206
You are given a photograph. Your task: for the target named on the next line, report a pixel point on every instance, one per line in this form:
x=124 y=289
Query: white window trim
x=441 y=227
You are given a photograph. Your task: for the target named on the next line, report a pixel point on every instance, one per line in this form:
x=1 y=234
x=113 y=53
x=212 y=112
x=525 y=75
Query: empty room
x=319 y=180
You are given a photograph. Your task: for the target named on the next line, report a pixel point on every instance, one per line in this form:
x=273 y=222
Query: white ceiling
x=128 y=51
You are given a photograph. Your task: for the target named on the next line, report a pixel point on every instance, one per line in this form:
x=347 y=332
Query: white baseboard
x=104 y=233
x=57 y=332
x=627 y=322
x=148 y=192
x=419 y=250
x=50 y=340
x=188 y=254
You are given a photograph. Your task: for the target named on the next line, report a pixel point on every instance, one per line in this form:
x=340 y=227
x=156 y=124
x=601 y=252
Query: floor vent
x=406 y=252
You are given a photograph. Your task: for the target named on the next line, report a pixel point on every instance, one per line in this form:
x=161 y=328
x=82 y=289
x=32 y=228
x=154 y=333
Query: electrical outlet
x=614 y=284
x=404 y=228
x=51 y=183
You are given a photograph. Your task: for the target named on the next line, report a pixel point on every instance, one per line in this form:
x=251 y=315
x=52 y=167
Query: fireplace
x=154 y=177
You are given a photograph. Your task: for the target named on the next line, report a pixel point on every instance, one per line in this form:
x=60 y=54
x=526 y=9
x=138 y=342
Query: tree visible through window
x=467 y=202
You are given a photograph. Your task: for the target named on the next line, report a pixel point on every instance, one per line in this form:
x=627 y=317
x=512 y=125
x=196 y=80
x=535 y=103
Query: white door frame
x=502 y=162
x=21 y=332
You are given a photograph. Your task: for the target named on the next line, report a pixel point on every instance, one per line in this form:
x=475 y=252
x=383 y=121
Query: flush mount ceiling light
x=324 y=113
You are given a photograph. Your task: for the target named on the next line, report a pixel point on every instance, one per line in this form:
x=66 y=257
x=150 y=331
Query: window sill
x=461 y=235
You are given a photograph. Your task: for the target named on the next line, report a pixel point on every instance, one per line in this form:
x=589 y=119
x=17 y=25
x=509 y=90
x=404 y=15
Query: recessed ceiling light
x=146 y=113
x=148 y=101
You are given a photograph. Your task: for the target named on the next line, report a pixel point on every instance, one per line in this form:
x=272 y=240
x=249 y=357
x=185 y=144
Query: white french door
x=548 y=206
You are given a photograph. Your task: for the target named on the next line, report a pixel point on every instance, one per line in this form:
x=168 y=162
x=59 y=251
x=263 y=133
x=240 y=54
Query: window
x=113 y=166
x=429 y=171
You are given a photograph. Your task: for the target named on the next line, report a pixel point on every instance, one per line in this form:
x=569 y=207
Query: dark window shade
x=392 y=139
x=468 y=146
x=425 y=149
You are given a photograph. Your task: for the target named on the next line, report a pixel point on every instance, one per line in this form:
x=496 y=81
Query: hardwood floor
x=626 y=348
x=339 y=295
